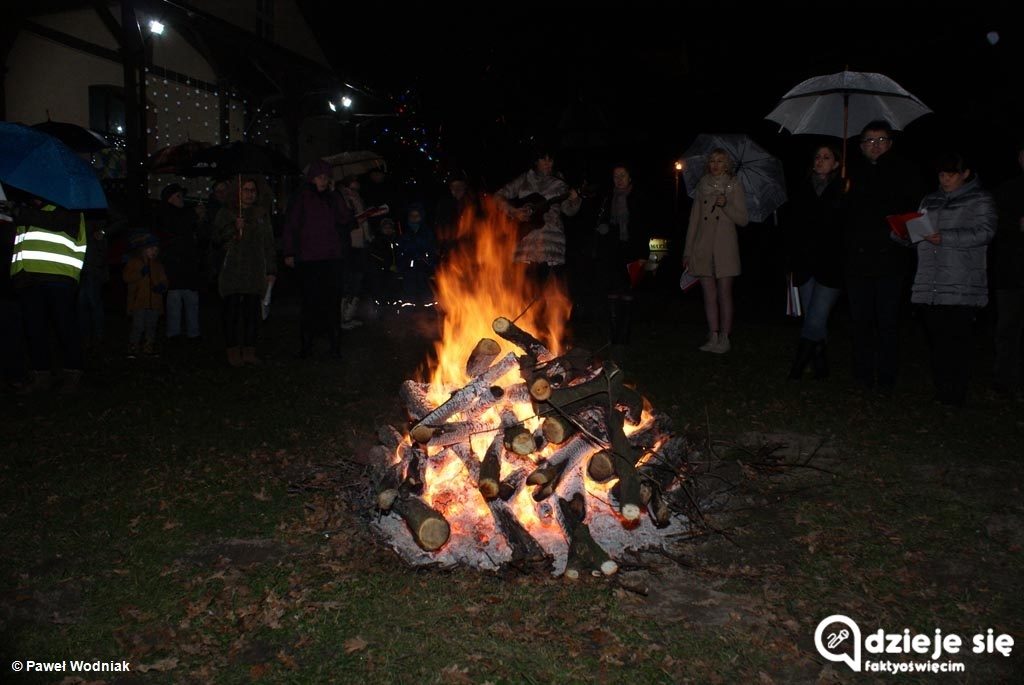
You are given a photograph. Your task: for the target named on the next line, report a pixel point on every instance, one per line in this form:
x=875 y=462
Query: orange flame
x=477 y=283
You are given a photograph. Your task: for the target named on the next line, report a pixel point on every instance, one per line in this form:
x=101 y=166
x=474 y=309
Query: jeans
x=178 y=300
x=817 y=301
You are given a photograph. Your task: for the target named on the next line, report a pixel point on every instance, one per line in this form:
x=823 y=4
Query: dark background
x=638 y=83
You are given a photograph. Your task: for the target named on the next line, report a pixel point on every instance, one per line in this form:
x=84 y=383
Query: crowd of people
x=359 y=246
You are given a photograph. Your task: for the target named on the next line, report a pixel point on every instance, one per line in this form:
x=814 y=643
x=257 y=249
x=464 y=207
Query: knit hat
x=142 y=240
x=170 y=190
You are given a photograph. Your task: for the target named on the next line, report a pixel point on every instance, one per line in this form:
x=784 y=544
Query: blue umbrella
x=42 y=165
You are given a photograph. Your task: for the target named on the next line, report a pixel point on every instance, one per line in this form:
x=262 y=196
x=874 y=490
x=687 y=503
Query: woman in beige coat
x=712 y=252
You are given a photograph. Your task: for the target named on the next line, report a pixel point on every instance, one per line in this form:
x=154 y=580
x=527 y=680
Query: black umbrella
x=174 y=158
x=76 y=137
x=239 y=157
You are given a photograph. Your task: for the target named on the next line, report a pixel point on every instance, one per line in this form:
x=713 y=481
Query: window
x=106 y=109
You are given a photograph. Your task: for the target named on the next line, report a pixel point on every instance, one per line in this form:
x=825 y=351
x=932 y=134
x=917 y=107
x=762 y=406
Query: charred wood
x=520 y=338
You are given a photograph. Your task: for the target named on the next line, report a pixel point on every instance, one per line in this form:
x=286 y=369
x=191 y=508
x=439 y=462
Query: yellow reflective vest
x=39 y=250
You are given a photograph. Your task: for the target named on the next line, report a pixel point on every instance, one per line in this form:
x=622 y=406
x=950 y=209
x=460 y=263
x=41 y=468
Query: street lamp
x=680 y=167
x=156 y=27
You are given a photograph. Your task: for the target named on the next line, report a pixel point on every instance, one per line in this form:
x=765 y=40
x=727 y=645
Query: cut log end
x=630 y=512
x=386 y=498
x=540 y=389
x=501 y=325
x=609 y=568
x=432 y=534
x=601 y=467
x=421 y=434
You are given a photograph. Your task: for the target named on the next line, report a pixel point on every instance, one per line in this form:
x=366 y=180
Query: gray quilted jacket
x=954 y=271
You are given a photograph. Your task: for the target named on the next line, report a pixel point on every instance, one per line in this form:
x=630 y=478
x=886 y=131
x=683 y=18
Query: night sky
x=640 y=84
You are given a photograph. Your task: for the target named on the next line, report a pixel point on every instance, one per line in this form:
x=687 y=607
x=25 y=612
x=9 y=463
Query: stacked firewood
x=583 y=408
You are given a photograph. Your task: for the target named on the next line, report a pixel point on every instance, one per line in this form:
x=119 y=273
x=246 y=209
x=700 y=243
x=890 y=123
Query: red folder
x=898 y=223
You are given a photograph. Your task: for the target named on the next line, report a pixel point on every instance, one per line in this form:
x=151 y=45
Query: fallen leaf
x=287 y=661
x=355 y=644
x=161 y=665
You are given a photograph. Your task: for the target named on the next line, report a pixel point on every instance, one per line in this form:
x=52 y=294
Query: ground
x=203 y=522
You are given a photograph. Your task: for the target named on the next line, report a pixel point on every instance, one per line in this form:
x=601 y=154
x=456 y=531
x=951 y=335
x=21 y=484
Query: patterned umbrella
x=764 y=184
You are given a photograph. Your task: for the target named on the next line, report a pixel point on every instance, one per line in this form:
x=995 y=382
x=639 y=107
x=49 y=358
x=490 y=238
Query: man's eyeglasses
x=881 y=140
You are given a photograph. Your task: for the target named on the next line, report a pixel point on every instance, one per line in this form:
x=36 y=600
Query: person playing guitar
x=537 y=199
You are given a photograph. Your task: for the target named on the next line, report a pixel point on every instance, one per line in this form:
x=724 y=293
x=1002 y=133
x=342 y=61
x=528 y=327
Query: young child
x=147 y=282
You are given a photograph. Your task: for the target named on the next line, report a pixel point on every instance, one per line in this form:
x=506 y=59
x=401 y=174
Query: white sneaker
x=722 y=346
x=710 y=345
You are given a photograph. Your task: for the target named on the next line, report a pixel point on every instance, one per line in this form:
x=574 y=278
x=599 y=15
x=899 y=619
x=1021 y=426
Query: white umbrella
x=836 y=104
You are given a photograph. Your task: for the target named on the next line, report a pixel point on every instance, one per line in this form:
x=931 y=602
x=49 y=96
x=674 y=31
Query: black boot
x=819 y=360
x=804 y=352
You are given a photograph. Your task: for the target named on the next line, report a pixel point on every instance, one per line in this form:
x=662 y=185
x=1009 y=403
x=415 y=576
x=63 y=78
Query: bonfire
x=521 y=451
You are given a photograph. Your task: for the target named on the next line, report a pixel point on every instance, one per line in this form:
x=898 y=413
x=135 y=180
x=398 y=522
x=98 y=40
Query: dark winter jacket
x=178 y=230
x=814 y=233
x=891 y=186
x=316 y=222
x=248 y=258
x=954 y=271
x=1008 y=246
x=640 y=227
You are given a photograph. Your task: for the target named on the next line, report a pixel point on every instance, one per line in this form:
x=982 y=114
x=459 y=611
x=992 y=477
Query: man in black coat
x=880 y=184
x=1008 y=283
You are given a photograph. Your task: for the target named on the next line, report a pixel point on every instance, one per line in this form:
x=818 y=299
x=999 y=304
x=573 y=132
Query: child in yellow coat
x=147 y=282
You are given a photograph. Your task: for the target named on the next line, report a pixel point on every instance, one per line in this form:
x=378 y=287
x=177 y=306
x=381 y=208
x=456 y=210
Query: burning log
x=462 y=398
x=482 y=356
x=487 y=400
x=601 y=466
x=414 y=399
x=557 y=429
x=508 y=487
x=449 y=434
x=527 y=554
x=520 y=338
x=607 y=385
x=518 y=394
x=401 y=479
x=584 y=552
x=429 y=528
x=520 y=440
x=490 y=470
x=625 y=458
